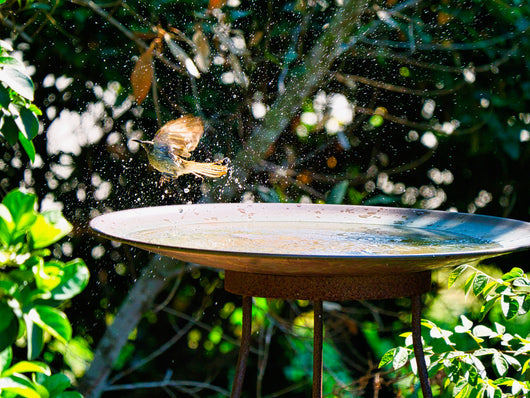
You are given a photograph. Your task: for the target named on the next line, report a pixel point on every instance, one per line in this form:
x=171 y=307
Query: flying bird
x=172 y=146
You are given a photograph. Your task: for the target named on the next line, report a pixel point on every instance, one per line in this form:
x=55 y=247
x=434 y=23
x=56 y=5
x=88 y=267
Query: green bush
x=32 y=290
x=476 y=360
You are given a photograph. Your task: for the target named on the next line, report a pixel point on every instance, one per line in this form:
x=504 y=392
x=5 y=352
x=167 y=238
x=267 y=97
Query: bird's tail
x=212 y=169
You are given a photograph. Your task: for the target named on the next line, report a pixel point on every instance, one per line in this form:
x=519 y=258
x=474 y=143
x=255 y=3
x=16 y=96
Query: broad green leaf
x=509 y=306
x=455 y=274
x=28 y=367
x=469 y=282
x=29 y=123
x=6 y=356
x=18 y=81
x=48 y=275
x=19 y=385
x=55 y=383
x=500 y=364
x=479 y=283
x=8 y=326
x=388 y=357
x=9 y=129
x=52 y=321
x=49 y=227
x=28 y=146
x=4 y=97
x=337 y=193
x=512 y=274
x=22 y=207
x=34 y=338
x=400 y=358
x=488 y=305
x=74 y=279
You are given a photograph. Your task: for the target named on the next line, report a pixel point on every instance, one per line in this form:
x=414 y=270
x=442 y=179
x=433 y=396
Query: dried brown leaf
x=142 y=75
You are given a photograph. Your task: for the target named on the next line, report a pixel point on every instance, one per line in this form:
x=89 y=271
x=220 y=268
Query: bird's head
x=145 y=144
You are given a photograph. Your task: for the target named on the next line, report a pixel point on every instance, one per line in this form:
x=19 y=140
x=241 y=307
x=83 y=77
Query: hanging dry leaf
x=142 y=75
x=202 y=50
x=182 y=56
x=216 y=4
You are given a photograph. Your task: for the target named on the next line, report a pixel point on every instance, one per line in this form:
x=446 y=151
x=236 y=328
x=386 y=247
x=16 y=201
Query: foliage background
x=425 y=105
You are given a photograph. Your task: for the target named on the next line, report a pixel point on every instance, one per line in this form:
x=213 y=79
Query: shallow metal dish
x=310 y=239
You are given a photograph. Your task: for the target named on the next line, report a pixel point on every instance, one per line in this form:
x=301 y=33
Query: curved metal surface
x=310 y=239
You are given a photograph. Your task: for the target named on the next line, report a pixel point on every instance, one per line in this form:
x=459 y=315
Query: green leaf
x=19 y=385
x=28 y=146
x=55 y=383
x=500 y=364
x=34 y=338
x=479 y=283
x=28 y=367
x=9 y=130
x=400 y=358
x=455 y=274
x=49 y=227
x=6 y=356
x=513 y=273
x=52 y=321
x=8 y=326
x=337 y=193
x=73 y=280
x=5 y=99
x=469 y=282
x=30 y=123
x=388 y=357
x=18 y=81
x=21 y=206
x=509 y=307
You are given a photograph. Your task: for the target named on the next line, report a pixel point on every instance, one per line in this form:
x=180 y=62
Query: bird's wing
x=181 y=135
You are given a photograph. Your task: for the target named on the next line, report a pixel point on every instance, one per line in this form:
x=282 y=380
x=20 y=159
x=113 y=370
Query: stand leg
x=418 y=348
x=246 y=332
x=317 y=349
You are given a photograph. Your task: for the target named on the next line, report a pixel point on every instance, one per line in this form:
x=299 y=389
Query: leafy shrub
x=32 y=290
x=476 y=360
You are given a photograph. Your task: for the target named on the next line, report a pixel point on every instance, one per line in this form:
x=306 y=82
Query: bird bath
x=317 y=252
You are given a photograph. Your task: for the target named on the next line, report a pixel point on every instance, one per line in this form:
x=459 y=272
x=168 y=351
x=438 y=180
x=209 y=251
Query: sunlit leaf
x=52 y=321
x=202 y=50
x=388 y=357
x=34 y=338
x=22 y=208
x=400 y=358
x=29 y=125
x=6 y=356
x=453 y=276
x=28 y=146
x=74 y=279
x=49 y=227
x=479 y=283
x=28 y=367
x=19 y=385
x=17 y=81
x=500 y=364
x=509 y=306
x=181 y=56
x=142 y=75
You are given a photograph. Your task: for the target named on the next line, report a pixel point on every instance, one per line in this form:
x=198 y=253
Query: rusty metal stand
x=332 y=288
x=246 y=334
x=318 y=330
x=418 y=347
